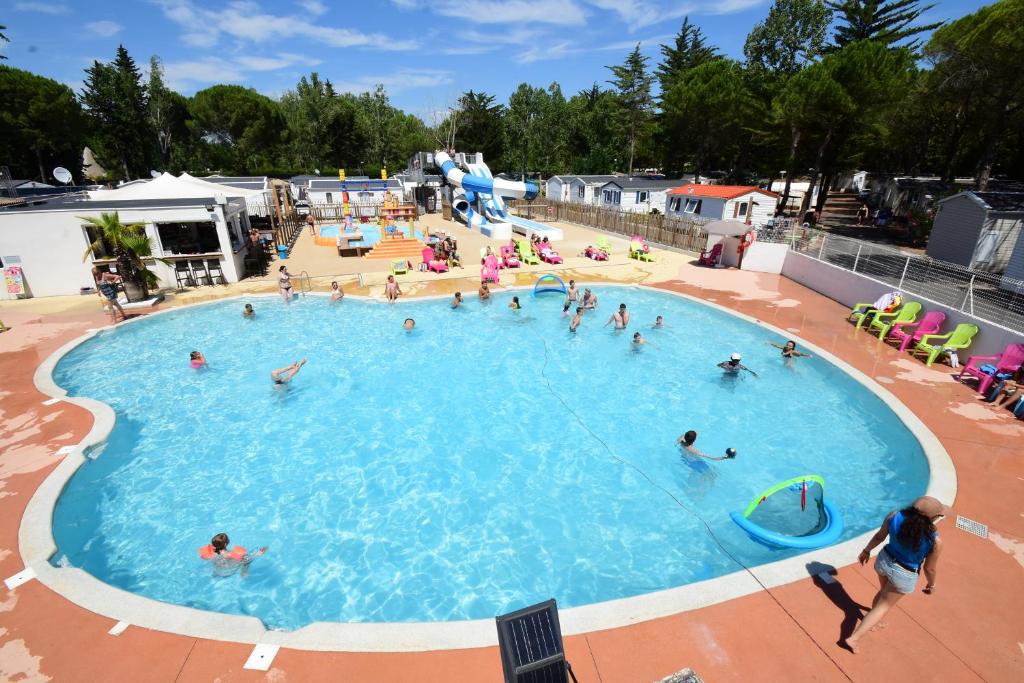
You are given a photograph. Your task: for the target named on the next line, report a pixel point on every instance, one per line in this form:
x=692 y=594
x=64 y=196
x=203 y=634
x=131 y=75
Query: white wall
x=849 y=288
x=765 y=257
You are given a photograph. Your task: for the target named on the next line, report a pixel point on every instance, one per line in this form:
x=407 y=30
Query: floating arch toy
x=545 y=279
x=793 y=514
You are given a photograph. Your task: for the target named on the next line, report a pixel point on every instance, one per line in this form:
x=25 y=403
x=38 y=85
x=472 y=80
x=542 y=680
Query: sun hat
x=734 y=356
x=930 y=507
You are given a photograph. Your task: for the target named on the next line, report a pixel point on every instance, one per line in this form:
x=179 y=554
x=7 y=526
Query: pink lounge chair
x=550 y=255
x=509 y=258
x=489 y=270
x=432 y=263
x=911 y=333
x=989 y=368
x=710 y=258
x=595 y=254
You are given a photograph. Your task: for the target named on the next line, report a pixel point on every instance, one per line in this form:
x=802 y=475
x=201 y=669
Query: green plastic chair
x=636 y=251
x=883 y=322
x=603 y=244
x=931 y=345
x=526 y=254
x=399 y=267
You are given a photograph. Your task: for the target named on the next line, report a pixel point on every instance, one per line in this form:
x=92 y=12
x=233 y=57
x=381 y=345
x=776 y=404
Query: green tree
x=3 y=38
x=168 y=113
x=242 y=129
x=43 y=125
x=520 y=126
x=591 y=131
x=323 y=126
x=689 y=50
x=792 y=35
x=479 y=126
x=889 y=22
x=116 y=103
x=978 y=58
x=129 y=245
x=632 y=84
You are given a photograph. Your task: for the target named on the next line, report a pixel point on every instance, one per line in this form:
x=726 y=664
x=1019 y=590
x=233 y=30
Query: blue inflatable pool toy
x=793 y=514
x=545 y=280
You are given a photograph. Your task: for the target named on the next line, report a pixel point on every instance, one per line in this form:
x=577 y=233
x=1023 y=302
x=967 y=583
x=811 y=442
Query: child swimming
x=515 y=306
x=196 y=360
x=457 y=300
x=228 y=562
x=248 y=311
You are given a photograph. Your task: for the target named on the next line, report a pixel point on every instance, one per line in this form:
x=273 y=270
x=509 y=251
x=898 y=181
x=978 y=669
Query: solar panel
x=530 y=641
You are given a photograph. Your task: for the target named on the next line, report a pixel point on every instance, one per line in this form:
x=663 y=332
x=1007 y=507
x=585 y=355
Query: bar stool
x=213 y=268
x=199 y=272
x=183 y=274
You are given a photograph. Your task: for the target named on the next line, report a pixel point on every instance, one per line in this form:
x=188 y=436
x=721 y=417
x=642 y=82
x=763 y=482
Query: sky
x=424 y=52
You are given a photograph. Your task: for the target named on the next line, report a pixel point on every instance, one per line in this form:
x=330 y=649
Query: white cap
x=734 y=356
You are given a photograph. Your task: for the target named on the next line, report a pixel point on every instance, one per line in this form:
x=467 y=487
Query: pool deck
x=972 y=628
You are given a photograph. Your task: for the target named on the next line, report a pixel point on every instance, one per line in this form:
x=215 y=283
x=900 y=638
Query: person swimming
x=659 y=323
x=409 y=324
x=589 y=299
x=565 y=308
x=732 y=367
x=574 y=325
x=687 y=441
x=638 y=341
x=620 y=318
x=248 y=311
x=196 y=360
x=789 y=350
x=285 y=374
x=515 y=305
x=336 y=293
x=484 y=292
x=228 y=562
x=457 y=300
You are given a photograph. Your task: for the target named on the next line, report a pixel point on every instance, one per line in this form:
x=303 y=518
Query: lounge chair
x=432 y=263
x=911 y=333
x=549 y=255
x=489 y=270
x=931 y=345
x=526 y=254
x=399 y=267
x=636 y=250
x=883 y=322
x=710 y=257
x=603 y=244
x=988 y=369
x=508 y=257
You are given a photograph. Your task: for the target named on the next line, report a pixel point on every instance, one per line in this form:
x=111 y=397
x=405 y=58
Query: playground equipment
x=478 y=198
x=545 y=280
x=793 y=514
x=392 y=210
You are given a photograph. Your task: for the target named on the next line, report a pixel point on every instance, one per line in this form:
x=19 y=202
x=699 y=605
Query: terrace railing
x=989 y=296
x=687 y=234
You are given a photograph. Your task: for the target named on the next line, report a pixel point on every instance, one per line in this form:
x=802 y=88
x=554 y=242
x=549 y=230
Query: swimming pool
x=369 y=231
x=437 y=475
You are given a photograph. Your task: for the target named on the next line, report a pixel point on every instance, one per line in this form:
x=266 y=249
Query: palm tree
x=129 y=245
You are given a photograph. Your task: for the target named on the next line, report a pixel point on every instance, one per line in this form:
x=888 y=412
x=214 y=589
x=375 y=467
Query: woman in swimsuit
x=391 y=290
x=196 y=360
x=336 y=293
x=106 y=283
x=284 y=281
x=515 y=304
x=789 y=350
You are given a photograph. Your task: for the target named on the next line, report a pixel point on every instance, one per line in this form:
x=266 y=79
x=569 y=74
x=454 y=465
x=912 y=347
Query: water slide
x=477 y=199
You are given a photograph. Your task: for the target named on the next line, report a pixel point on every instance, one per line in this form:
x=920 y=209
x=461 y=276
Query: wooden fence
x=687 y=234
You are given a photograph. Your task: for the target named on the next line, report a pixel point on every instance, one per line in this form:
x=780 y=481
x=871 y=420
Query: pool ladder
x=305 y=283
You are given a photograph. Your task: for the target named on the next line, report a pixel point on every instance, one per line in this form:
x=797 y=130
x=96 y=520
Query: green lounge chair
x=931 y=345
x=399 y=267
x=636 y=250
x=526 y=254
x=603 y=244
x=883 y=322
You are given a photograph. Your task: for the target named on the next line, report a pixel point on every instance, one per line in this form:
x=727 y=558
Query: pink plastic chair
x=550 y=255
x=432 y=263
x=509 y=258
x=710 y=258
x=911 y=333
x=489 y=271
x=981 y=367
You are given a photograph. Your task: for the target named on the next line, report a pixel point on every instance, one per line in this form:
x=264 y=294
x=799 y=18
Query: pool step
x=396 y=248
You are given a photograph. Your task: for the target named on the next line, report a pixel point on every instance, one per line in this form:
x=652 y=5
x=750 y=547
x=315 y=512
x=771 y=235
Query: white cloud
x=644 y=43
x=516 y=36
x=638 y=14
x=397 y=81
x=560 y=12
x=731 y=6
x=282 y=60
x=314 y=7
x=245 y=21
x=541 y=53
x=469 y=50
x=104 y=29
x=194 y=73
x=43 y=7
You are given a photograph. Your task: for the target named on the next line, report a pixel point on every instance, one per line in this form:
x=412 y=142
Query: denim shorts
x=902 y=579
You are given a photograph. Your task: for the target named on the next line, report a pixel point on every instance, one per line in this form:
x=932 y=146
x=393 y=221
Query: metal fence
x=683 y=233
x=988 y=296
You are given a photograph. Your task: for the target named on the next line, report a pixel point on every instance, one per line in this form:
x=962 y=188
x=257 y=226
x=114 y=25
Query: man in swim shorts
x=687 y=440
x=619 y=317
x=576 y=319
x=732 y=367
x=589 y=299
x=285 y=374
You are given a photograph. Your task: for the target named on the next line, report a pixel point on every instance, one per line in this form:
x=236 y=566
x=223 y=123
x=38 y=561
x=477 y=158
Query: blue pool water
x=437 y=475
x=369 y=231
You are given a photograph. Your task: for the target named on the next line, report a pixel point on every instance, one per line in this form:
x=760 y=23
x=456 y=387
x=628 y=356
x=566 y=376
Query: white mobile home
x=980 y=230
x=586 y=189
x=638 y=195
x=557 y=187
x=746 y=203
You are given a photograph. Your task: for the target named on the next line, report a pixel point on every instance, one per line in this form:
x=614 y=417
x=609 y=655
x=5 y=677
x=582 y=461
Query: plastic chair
x=526 y=254
x=987 y=369
x=636 y=250
x=199 y=272
x=431 y=262
x=489 y=270
x=908 y=333
x=710 y=258
x=931 y=345
x=883 y=322
x=508 y=257
x=603 y=244
x=399 y=267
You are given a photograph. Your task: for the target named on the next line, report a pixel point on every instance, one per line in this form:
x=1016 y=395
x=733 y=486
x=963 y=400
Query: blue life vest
x=903 y=553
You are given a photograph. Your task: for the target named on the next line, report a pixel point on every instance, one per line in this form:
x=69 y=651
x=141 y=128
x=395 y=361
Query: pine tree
x=886 y=21
x=632 y=83
x=3 y=38
x=167 y=112
x=689 y=50
x=792 y=35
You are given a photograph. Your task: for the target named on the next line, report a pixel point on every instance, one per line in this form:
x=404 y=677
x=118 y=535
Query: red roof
x=718 y=191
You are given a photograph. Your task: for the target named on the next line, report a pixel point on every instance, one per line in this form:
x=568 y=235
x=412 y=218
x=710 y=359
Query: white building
x=186 y=219
x=557 y=187
x=586 y=189
x=981 y=230
x=749 y=204
x=638 y=195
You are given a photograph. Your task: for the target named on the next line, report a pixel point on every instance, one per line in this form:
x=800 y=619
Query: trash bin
x=282 y=251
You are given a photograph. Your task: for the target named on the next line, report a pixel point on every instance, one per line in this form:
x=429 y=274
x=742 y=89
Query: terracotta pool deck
x=972 y=628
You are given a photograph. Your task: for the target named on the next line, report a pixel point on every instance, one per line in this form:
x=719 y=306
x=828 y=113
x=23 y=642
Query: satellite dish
x=316 y=171
x=62 y=174
x=154 y=174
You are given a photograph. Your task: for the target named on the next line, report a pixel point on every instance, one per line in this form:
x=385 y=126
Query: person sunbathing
x=1010 y=389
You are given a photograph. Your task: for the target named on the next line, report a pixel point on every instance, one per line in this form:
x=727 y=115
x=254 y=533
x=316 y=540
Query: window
x=642 y=197
x=739 y=210
x=612 y=196
x=692 y=206
x=330 y=198
x=581 y=191
x=188 y=238
x=673 y=203
x=91 y=235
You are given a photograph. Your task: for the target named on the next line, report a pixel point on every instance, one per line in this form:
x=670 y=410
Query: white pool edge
x=37 y=545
